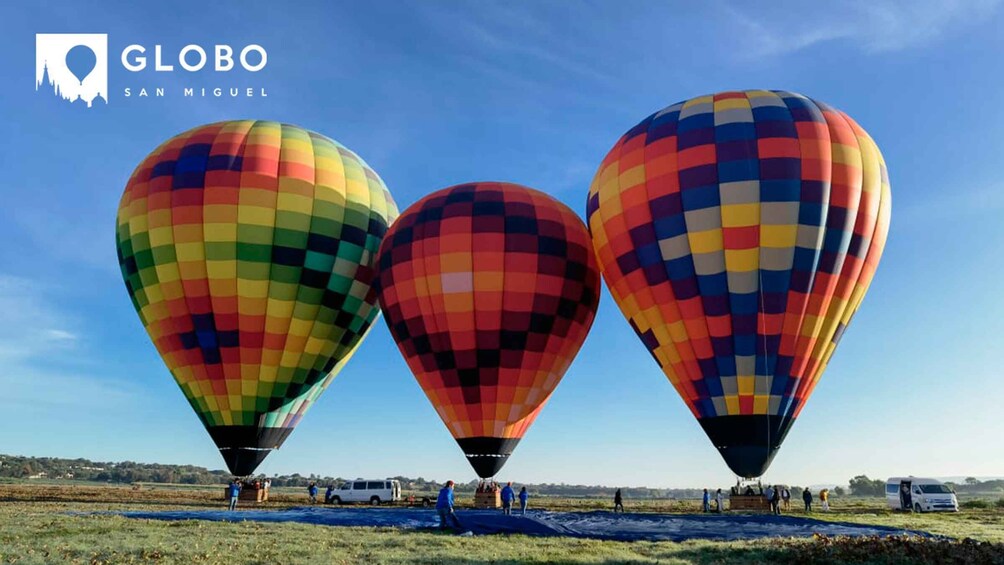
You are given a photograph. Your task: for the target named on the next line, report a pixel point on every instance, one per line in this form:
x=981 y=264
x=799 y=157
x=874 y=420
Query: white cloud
x=43 y=358
x=874 y=26
x=955 y=204
x=30 y=324
x=502 y=38
x=60 y=335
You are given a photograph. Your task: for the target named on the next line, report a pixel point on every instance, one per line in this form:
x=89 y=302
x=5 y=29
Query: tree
x=861 y=485
x=839 y=491
x=972 y=481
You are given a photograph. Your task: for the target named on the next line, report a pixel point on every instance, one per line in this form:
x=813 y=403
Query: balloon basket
x=489 y=500
x=252 y=494
x=754 y=503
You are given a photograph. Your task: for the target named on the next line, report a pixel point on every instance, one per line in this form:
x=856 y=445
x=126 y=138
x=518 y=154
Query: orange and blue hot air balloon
x=738 y=233
x=489 y=290
x=247 y=248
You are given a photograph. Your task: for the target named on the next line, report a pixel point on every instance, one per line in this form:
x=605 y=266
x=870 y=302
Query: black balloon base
x=487 y=455
x=747 y=443
x=241 y=461
x=245 y=447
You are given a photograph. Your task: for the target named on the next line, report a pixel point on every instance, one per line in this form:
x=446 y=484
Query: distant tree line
x=972 y=485
x=861 y=485
x=127 y=472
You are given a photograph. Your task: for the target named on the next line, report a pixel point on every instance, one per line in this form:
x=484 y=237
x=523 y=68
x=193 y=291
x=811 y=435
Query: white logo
x=72 y=66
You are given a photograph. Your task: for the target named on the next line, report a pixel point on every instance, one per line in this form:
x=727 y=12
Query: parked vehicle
x=920 y=494
x=372 y=491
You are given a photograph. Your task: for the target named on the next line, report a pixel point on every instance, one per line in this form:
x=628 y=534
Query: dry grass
x=36 y=527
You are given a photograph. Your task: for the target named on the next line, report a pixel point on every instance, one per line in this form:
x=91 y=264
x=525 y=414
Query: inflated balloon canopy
x=489 y=290
x=738 y=233
x=247 y=248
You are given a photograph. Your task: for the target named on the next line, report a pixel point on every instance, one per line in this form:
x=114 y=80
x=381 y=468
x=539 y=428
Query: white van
x=371 y=491
x=920 y=495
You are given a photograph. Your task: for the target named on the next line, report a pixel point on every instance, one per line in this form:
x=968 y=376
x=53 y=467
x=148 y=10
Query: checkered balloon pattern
x=489 y=290
x=247 y=248
x=738 y=233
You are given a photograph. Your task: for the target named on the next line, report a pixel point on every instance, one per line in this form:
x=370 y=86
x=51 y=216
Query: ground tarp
x=596 y=525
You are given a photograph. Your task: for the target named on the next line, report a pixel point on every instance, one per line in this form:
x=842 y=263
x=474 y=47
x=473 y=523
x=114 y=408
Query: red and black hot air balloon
x=489 y=290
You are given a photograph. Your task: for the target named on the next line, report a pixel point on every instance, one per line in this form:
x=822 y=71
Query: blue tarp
x=596 y=525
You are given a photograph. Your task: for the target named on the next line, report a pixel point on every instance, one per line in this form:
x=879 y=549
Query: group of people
x=237 y=485
x=508 y=496
x=718 y=498
x=777 y=496
x=824 y=499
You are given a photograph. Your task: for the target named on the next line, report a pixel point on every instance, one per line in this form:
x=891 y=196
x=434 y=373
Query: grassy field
x=35 y=527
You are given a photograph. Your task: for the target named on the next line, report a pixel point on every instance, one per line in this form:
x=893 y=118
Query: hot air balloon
x=247 y=248
x=738 y=233
x=489 y=290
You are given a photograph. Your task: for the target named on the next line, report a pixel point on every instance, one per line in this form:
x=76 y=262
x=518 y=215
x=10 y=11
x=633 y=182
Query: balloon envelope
x=489 y=290
x=247 y=248
x=738 y=233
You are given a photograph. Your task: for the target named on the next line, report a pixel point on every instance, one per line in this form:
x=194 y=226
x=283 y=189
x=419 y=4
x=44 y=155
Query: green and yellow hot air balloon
x=247 y=248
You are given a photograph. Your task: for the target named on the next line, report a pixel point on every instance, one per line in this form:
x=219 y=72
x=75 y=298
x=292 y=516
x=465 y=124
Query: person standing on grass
x=706 y=501
x=328 y=493
x=824 y=499
x=234 y=491
x=807 y=499
x=786 y=498
x=508 y=496
x=768 y=495
x=523 y=496
x=618 y=501
x=444 y=506
x=719 y=501
x=312 y=493
x=775 y=501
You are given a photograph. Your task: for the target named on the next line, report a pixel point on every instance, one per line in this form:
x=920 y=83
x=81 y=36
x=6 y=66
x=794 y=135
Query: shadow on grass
x=823 y=550
x=889 y=550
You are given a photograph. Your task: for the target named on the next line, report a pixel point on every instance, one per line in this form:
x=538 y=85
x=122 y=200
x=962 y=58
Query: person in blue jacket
x=508 y=496
x=444 y=505
x=234 y=491
x=706 y=501
x=312 y=491
x=523 y=496
x=328 y=493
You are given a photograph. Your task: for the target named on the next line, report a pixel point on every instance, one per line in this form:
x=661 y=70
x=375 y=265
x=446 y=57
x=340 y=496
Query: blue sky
x=435 y=93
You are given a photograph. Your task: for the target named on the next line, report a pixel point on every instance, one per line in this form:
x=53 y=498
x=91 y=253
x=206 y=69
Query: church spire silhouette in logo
x=73 y=66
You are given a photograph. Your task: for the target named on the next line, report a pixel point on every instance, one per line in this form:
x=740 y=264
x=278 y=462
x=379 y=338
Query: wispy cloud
x=508 y=36
x=60 y=335
x=956 y=205
x=43 y=356
x=874 y=26
x=29 y=325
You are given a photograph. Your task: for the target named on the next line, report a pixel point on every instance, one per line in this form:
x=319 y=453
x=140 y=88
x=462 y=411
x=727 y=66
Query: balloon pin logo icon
x=81 y=60
x=72 y=67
